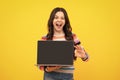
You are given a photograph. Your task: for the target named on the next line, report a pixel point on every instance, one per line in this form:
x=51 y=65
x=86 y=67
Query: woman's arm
x=51 y=68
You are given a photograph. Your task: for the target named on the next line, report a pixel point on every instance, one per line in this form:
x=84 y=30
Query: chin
x=58 y=30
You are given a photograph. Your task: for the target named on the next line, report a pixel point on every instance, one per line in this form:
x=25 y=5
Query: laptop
x=55 y=53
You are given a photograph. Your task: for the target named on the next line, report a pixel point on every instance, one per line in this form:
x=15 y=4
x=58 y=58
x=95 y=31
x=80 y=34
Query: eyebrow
x=55 y=15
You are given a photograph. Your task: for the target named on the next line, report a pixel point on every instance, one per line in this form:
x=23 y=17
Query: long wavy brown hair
x=66 y=28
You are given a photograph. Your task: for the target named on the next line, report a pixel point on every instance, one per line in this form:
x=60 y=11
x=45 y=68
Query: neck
x=60 y=33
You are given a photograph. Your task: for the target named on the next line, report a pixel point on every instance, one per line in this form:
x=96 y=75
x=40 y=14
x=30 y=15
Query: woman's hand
x=79 y=51
x=52 y=68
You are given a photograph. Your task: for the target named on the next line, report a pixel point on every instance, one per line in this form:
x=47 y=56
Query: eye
x=62 y=18
x=56 y=17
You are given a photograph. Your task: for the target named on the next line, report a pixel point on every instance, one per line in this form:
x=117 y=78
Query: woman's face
x=59 y=21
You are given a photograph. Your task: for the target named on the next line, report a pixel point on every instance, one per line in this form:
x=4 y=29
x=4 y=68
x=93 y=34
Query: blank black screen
x=55 y=53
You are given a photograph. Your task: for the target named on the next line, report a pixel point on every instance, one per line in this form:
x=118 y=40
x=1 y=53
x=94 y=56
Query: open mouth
x=58 y=24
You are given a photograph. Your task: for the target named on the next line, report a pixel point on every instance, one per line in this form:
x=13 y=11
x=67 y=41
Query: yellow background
x=96 y=23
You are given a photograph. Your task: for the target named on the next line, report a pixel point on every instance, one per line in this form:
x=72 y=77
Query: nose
x=58 y=19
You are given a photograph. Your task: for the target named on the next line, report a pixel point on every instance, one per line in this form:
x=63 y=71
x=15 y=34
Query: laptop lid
x=55 y=53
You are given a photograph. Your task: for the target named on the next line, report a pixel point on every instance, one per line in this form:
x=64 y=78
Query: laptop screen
x=54 y=53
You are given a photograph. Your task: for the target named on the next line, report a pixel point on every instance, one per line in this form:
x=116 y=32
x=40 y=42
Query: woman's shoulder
x=44 y=37
x=76 y=39
x=74 y=35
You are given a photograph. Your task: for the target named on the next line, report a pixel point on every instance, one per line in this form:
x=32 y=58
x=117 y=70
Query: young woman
x=59 y=28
